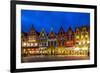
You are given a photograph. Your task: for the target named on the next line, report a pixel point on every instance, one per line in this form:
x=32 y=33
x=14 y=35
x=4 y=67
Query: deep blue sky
x=53 y=19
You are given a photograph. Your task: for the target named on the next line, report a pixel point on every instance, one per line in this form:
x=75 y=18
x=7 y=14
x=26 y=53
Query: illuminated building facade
x=52 y=39
x=23 y=39
x=23 y=43
x=61 y=37
x=43 y=39
x=70 y=38
x=32 y=42
x=32 y=38
x=77 y=37
x=85 y=37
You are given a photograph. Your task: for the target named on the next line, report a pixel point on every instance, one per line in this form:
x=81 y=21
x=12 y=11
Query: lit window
x=31 y=44
x=35 y=44
x=83 y=42
x=24 y=44
x=82 y=37
x=28 y=44
x=34 y=40
x=88 y=42
x=79 y=43
x=86 y=36
x=42 y=34
x=77 y=37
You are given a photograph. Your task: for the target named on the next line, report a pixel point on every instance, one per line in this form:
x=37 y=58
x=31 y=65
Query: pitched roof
x=52 y=34
x=43 y=34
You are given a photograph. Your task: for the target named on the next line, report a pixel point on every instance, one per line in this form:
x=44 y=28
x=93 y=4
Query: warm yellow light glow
x=77 y=37
x=28 y=44
x=28 y=49
x=31 y=44
x=33 y=40
x=85 y=48
x=79 y=43
x=82 y=36
x=35 y=44
x=24 y=44
x=86 y=36
x=83 y=41
x=30 y=52
x=88 y=42
x=77 y=48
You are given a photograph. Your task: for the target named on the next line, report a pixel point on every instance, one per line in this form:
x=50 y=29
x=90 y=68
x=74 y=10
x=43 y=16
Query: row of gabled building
x=34 y=39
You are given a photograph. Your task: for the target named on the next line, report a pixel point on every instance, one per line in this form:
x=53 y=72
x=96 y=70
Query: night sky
x=52 y=19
